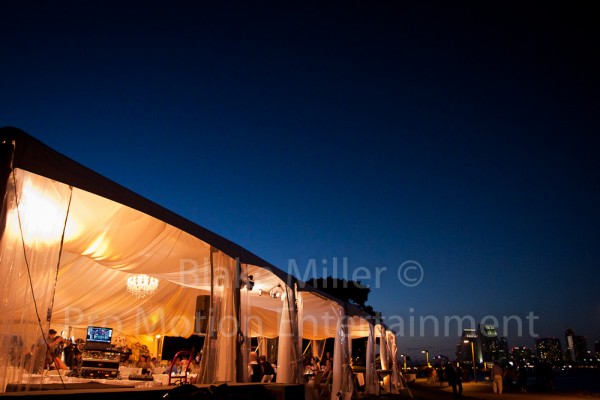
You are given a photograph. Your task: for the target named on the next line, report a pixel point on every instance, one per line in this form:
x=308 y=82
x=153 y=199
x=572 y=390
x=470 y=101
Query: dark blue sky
x=461 y=136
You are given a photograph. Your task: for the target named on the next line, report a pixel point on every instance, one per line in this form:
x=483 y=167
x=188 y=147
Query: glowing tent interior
x=70 y=239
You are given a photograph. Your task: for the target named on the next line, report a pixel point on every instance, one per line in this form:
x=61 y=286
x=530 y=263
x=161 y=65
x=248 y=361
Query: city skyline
x=447 y=152
x=532 y=346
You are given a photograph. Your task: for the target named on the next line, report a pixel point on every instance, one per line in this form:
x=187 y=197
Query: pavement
x=420 y=389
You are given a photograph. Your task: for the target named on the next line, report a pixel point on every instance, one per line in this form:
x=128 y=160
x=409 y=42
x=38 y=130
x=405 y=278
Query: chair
x=312 y=386
x=325 y=388
x=266 y=378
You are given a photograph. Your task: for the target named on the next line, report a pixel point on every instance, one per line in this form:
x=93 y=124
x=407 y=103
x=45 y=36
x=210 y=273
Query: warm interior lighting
x=276 y=292
x=42 y=218
x=250 y=282
x=141 y=285
x=247 y=283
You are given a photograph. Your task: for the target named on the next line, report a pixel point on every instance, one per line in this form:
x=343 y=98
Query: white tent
x=71 y=238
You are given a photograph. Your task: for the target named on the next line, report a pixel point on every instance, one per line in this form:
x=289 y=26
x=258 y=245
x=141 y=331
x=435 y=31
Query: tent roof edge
x=32 y=155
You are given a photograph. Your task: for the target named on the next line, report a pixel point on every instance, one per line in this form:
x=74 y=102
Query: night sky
x=459 y=138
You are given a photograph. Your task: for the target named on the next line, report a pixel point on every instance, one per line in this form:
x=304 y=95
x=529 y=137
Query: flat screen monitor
x=97 y=334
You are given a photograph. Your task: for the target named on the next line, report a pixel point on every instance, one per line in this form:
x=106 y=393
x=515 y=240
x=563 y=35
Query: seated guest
x=144 y=364
x=194 y=367
x=326 y=357
x=176 y=366
x=194 y=371
x=184 y=366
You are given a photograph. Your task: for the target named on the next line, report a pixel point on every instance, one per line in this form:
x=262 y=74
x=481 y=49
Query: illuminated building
x=463 y=349
x=576 y=346
x=548 y=349
x=502 y=349
x=521 y=354
x=490 y=343
x=487 y=345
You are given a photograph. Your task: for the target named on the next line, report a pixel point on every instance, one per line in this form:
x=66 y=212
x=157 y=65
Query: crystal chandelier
x=141 y=285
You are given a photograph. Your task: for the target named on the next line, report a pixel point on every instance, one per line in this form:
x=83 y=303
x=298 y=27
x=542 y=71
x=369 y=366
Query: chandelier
x=141 y=285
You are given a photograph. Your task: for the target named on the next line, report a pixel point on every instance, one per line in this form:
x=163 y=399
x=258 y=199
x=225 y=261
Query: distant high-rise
x=490 y=344
x=548 y=349
x=576 y=346
x=487 y=345
x=463 y=350
x=570 y=350
x=502 y=349
x=521 y=354
x=597 y=349
x=581 y=349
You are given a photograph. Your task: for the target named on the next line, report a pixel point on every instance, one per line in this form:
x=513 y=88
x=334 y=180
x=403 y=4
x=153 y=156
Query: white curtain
x=288 y=356
x=245 y=309
x=371 y=382
x=384 y=358
x=219 y=358
x=342 y=372
x=396 y=375
x=299 y=319
x=35 y=211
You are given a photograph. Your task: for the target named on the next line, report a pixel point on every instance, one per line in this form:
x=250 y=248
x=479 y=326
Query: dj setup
x=99 y=359
x=100 y=364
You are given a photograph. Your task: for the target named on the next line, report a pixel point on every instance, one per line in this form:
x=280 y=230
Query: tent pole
x=6 y=156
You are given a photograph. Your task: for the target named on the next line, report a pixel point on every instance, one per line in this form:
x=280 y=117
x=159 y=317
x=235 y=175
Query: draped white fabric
x=286 y=358
x=35 y=212
x=384 y=357
x=342 y=372
x=338 y=352
x=358 y=327
x=219 y=352
x=319 y=320
x=396 y=375
x=371 y=383
x=300 y=327
x=244 y=317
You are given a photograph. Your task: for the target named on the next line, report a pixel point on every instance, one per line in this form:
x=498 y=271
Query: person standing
x=76 y=361
x=497 y=377
x=522 y=377
x=266 y=366
x=254 y=369
x=454 y=378
x=459 y=379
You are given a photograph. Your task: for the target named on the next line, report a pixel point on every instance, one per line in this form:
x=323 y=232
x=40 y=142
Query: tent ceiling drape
x=106 y=242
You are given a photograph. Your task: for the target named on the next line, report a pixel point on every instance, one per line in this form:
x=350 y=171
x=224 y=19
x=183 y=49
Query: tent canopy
x=112 y=233
x=70 y=239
